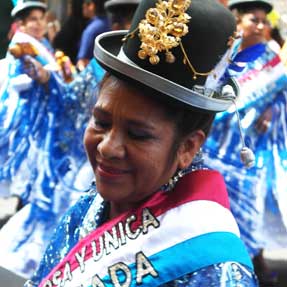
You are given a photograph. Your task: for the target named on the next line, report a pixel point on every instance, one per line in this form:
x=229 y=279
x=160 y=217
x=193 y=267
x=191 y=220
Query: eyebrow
x=133 y=122
x=101 y=111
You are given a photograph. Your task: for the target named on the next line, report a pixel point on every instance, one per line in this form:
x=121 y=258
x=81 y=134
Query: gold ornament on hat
x=162 y=30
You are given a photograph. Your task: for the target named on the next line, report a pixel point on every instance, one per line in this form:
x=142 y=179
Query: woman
x=39 y=154
x=68 y=38
x=257 y=195
x=98 y=23
x=152 y=190
x=17 y=87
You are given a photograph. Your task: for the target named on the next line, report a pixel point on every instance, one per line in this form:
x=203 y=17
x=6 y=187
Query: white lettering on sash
x=148 y=219
x=114 y=271
x=111 y=240
x=48 y=283
x=97 y=282
x=81 y=259
x=104 y=245
x=122 y=234
x=57 y=278
x=130 y=234
x=144 y=267
x=98 y=255
x=67 y=276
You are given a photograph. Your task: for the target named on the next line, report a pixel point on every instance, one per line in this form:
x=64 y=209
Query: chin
x=113 y=197
x=110 y=192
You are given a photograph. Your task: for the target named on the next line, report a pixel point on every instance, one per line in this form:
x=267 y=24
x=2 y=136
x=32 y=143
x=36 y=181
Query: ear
x=189 y=147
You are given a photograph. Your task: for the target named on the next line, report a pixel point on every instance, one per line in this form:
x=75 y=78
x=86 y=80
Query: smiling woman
x=132 y=142
x=153 y=197
x=34 y=23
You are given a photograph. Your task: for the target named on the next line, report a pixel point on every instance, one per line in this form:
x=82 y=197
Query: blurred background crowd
x=62 y=10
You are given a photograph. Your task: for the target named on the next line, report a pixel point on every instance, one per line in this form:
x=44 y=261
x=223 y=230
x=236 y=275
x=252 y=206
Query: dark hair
x=185 y=118
x=238 y=12
x=22 y=15
x=100 y=6
x=122 y=13
x=276 y=35
x=68 y=38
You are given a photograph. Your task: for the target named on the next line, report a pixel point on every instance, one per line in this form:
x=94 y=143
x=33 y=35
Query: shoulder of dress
x=83 y=203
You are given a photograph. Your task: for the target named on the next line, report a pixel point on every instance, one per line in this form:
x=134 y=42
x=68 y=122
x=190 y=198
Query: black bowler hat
x=22 y=5
x=250 y=4
x=112 y=4
x=177 y=47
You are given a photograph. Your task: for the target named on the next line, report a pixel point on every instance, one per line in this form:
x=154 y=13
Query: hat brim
x=26 y=5
x=108 y=53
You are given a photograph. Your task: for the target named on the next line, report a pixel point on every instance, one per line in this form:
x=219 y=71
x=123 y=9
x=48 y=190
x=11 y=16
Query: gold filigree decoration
x=162 y=30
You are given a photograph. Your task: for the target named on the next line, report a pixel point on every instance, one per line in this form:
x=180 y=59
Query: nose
x=261 y=25
x=111 y=146
x=41 y=22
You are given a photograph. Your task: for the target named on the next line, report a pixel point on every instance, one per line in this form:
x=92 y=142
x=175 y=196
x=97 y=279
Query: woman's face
x=34 y=24
x=88 y=10
x=129 y=145
x=253 y=26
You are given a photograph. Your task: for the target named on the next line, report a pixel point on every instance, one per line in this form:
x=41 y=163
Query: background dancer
x=258 y=194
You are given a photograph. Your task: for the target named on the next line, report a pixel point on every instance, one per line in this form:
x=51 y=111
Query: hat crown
x=181 y=48
x=21 y=5
x=208 y=26
x=21 y=2
x=243 y=4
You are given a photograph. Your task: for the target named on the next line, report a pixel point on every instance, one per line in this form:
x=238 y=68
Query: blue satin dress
x=257 y=195
x=41 y=152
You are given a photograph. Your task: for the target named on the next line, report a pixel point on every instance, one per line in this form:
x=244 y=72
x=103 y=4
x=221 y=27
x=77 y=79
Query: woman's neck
x=246 y=44
x=116 y=209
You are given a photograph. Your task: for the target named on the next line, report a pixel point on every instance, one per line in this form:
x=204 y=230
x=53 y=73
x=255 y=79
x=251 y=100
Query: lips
x=109 y=171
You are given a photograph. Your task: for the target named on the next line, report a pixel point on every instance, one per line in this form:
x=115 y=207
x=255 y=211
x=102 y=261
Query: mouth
x=106 y=171
x=259 y=34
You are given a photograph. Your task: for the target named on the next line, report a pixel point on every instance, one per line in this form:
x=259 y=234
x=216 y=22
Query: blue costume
x=41 y=152
x=90 y=215
x=98 y=25
x=257 y=194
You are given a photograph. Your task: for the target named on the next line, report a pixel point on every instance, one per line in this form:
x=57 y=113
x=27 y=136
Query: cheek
x=153 y=159
x=247 y=32
x=246 y=26
x=153 y=172
x=90 y=141
x=37 y=26
x=33 y=30
x=32 y=26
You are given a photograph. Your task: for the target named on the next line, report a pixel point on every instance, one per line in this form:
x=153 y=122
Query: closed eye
x=101 y=119
x=101 y=124
x=138 y=134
